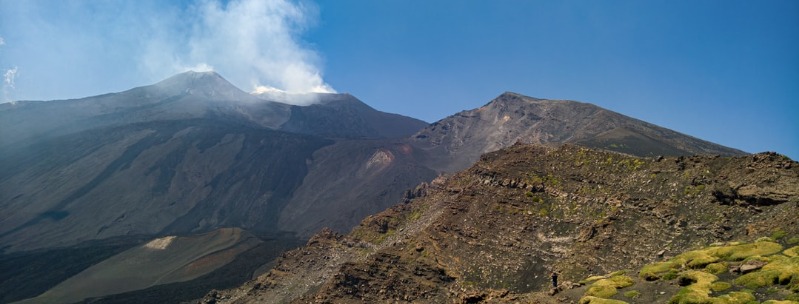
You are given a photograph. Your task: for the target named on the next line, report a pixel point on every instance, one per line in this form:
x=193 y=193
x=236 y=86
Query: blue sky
x=724 y=71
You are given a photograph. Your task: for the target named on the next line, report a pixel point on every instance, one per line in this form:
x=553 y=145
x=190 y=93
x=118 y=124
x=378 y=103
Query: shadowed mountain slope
x=164 y=260
x=457 y=141
x=493 y=233
x=344 y=116
x=160 y=177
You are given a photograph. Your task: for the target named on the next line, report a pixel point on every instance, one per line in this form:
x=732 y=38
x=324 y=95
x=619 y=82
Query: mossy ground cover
x=781 y=270
x=702 y=258
x=597 y=300
x=606 y=288
x=709 y=275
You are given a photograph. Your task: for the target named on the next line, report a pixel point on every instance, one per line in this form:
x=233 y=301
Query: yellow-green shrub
x=606 y=288
x=595 y=300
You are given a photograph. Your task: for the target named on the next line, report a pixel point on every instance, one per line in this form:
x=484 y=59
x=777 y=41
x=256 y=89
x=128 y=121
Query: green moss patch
x=592 y=278
x=697 y=287
x=736 y=297
x=771 y=273
x=606 y=288
x=716 y=268
x=778 y=234
x=783 y=271
x=720 y=286
x=792 y=252
x=596 y=300
x=697 y=259
x=780 y=302
x=632 y=294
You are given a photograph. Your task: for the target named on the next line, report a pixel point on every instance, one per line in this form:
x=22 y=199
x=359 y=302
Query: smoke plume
x=253 y=43
x=71 y=49
x=9 y=77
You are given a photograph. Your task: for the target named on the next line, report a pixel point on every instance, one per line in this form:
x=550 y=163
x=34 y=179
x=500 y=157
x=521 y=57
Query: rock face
x=494 y=232
x=458 y=141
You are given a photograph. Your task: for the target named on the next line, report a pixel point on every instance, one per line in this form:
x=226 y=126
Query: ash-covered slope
x=459 y=140
x=493 y=233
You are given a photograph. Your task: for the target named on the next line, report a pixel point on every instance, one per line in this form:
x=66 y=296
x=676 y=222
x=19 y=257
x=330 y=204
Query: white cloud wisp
x=252 y=43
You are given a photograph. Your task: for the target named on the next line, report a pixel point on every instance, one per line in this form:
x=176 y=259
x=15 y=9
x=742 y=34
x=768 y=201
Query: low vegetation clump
x=780 y=270
x=597 y=300
x=632 y=294
x=779 y=302
x=697 y=287
x=701 y=258
x=731 y=273
x=716 y=268
x=762 y=263
x=734 y=298
x=792 y=252
x=720 y=286
x=607 y=287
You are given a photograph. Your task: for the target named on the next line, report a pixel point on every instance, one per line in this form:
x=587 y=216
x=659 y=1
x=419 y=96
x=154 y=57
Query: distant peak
x=511 y=97
x=208 y=83
x=192 y=75
x=510 y=94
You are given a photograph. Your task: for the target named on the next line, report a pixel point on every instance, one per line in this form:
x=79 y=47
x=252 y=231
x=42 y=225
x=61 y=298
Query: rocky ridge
x=493 y=233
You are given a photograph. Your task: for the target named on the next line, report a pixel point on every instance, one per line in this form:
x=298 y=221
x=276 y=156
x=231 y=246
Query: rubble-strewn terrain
x=494 y=232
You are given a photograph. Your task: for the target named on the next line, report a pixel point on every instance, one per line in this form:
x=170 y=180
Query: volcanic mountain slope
x=457 y=141
x=160 y=177
x=493 y=232
x=184 y=96
x=188 y=154
x=84 y=179
x=196 y=95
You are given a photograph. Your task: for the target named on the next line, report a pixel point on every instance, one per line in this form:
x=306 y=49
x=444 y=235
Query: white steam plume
x=2 y=41
x=9 y=77
x=253 y=43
